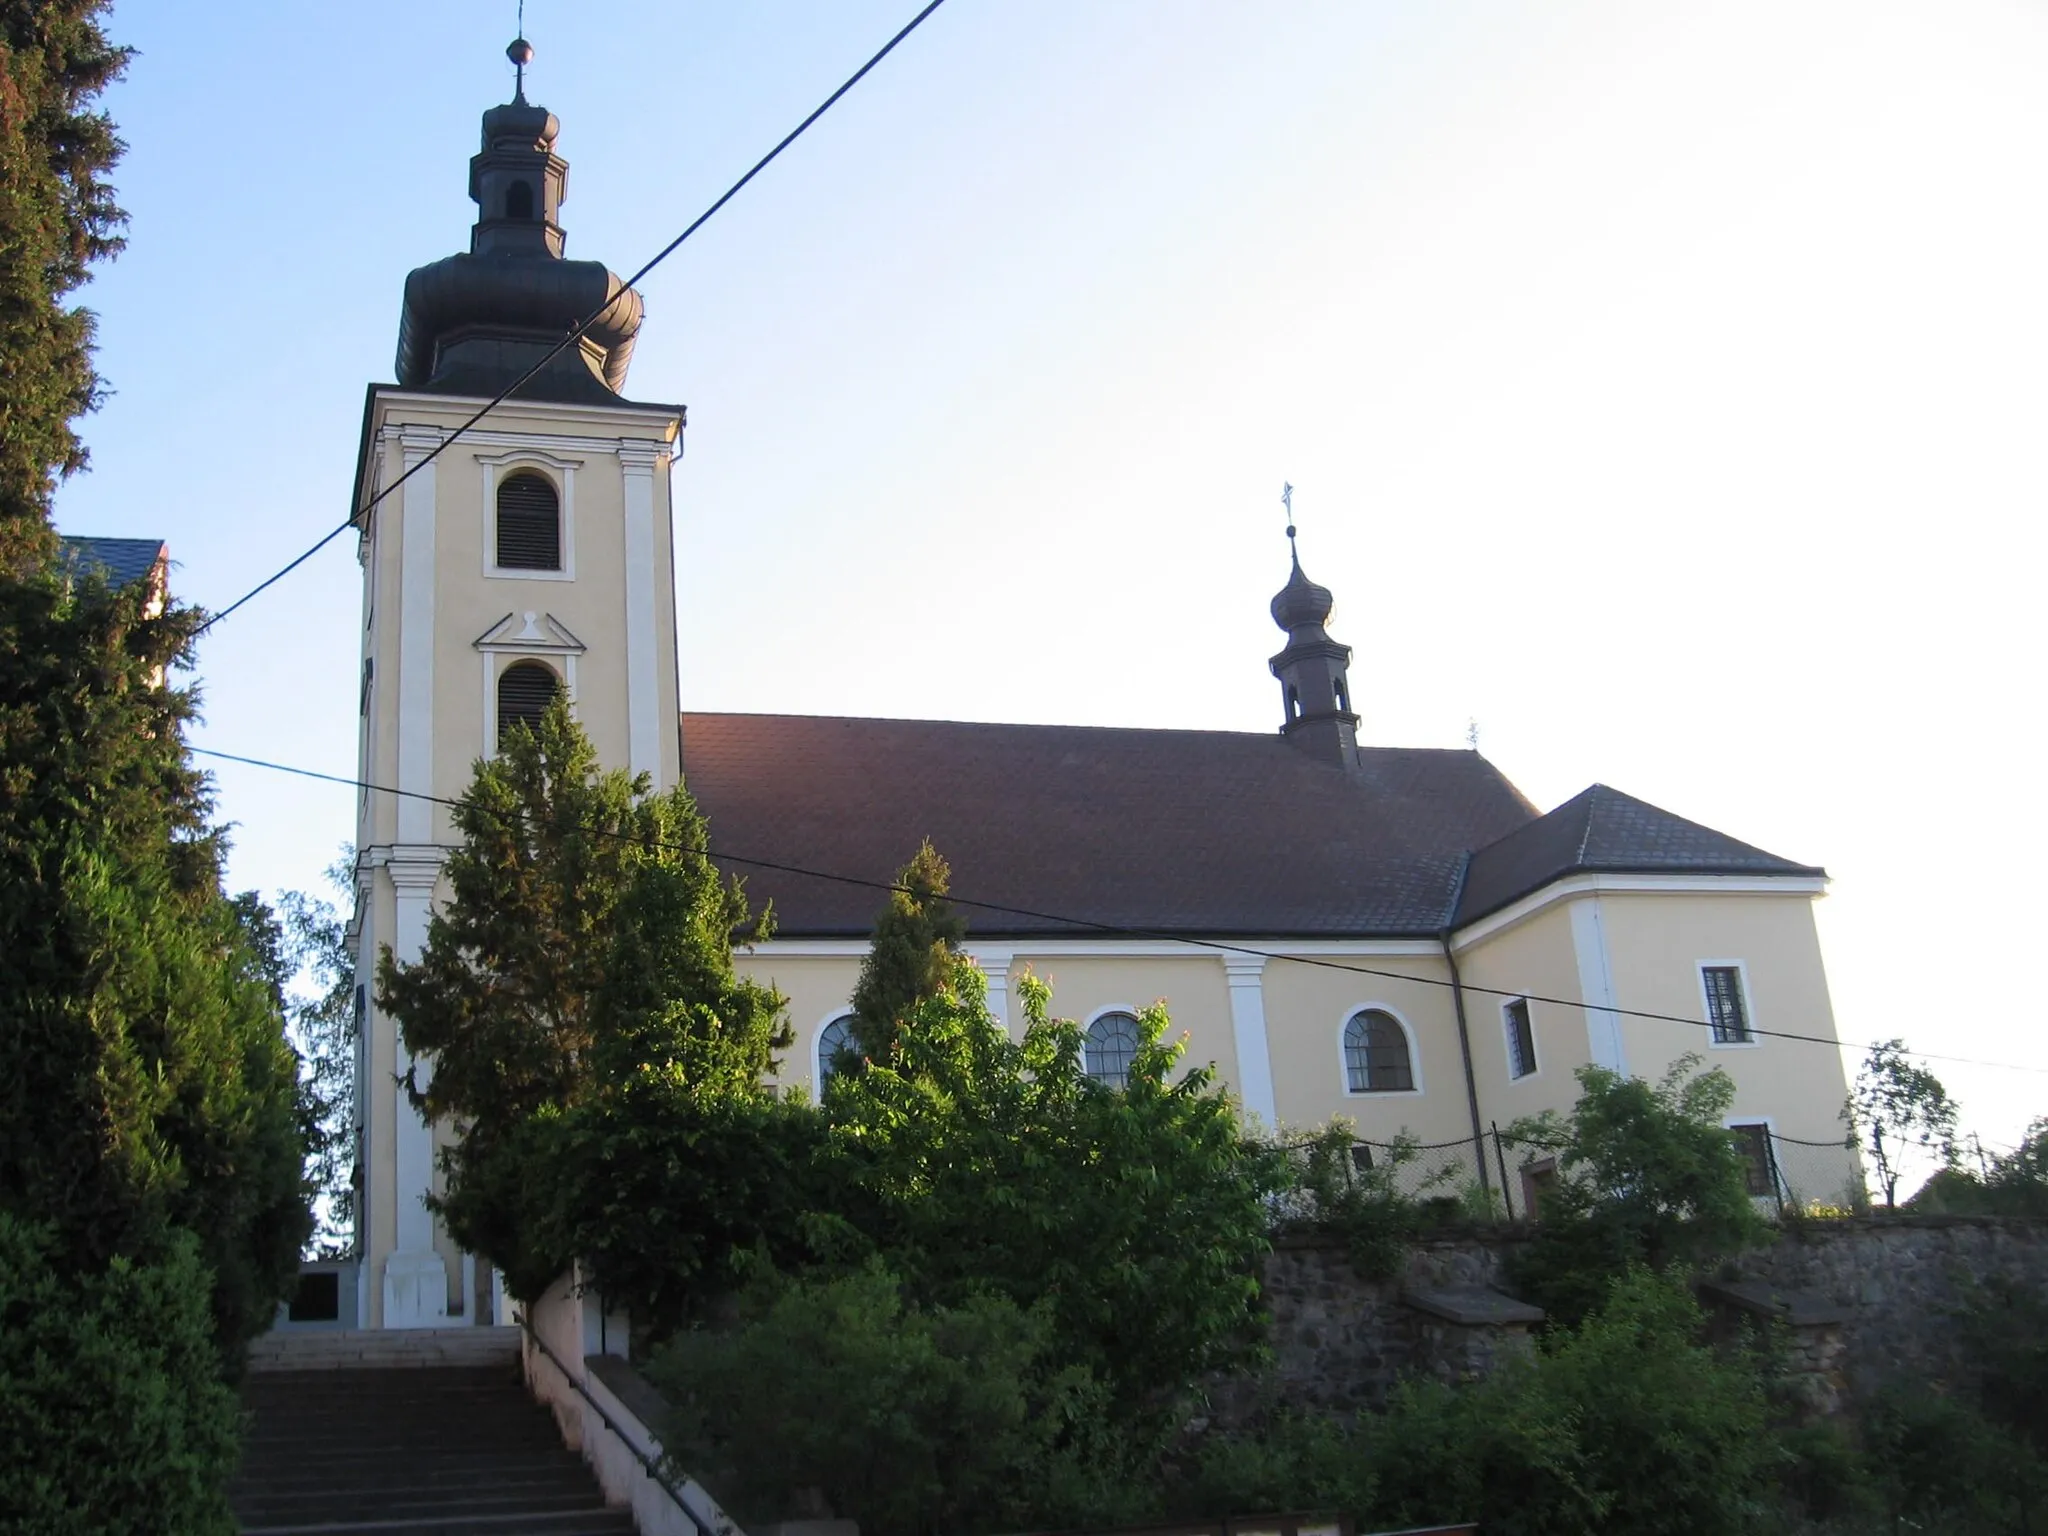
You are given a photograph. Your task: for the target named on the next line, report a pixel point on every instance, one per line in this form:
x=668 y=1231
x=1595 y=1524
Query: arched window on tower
x=1293 y=702
x=519 y=200
x=1343 y=696
x=1376 y=1056
x=529 y=523
x=1109 y=1048
x=525 y=689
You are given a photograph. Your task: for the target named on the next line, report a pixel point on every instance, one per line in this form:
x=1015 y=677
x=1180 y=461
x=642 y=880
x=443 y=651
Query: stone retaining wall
x=1340 y=1341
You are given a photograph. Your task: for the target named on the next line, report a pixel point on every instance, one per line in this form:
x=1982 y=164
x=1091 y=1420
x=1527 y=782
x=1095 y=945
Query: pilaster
x=638 y=461
x=1246 y=976
x=416 y=642
x=415 y=1278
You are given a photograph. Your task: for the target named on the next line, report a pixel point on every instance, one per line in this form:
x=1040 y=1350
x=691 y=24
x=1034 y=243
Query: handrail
x=647 y=1463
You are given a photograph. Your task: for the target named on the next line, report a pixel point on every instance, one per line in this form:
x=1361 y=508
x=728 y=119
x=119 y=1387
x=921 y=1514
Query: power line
x=576 y=332
x=1114 y=930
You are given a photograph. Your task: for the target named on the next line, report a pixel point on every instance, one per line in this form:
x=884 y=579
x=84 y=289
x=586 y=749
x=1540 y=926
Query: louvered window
x=519 y=200
x=1109 y=1048
x=525 y=689
x=1376 y=1054
x=1727 y=1015
x=1521 y=1037
x=529 y=524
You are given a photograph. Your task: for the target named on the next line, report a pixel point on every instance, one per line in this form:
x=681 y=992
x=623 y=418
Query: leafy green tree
x=145 y=1081
x=586 y=947
x=1897 y=1105
x=1648 y=1176
x=916 y=938
x=1139 y=1215
x=57 y=217
x=837 y=1391
x=320 y=1002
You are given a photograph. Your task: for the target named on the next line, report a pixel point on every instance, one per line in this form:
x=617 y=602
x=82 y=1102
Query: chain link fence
x=1501 y=1175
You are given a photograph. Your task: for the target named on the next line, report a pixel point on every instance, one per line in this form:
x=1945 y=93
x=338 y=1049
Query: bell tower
x=525 y=556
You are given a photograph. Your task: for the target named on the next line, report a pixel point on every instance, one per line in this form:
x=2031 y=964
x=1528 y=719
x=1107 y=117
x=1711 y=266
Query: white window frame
x=561 y=474
x=509 y=641
x=1507 y=1033
x=1089 y=1023
x=1749 y=1019
x=1414 y=1054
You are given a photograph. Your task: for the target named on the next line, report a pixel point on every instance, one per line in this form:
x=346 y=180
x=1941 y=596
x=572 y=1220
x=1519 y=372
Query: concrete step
x=407 y=1435
x=391 y=1348
x=610 y=1522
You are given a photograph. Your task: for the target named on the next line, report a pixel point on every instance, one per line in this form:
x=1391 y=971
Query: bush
x=1941 y=1463
x=113 y=1418
x=1648 y=1177
x=1137 y=1215
x=835 y=1395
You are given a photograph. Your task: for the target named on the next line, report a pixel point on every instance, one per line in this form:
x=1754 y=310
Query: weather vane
x=1287 y=501
x=521 y=55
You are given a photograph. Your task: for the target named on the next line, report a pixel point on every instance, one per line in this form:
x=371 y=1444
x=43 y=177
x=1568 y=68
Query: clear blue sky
x=1663 y=386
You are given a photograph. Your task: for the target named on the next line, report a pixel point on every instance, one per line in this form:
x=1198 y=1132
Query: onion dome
x=1302 y=604
x=473 y=323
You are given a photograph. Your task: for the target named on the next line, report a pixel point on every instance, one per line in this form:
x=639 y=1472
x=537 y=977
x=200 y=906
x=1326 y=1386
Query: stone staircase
x=425 y=1432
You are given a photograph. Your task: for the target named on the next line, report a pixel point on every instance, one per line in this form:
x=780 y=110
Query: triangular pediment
x=530 y=632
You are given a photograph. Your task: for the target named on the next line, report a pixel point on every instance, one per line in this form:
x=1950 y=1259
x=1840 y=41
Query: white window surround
x=1507 y=1031
x=558 y=472
x=524 y=637
x=1749 y=1019
x=1414 y=1054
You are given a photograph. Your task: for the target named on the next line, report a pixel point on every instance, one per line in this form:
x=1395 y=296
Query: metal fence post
x=1500 y=1158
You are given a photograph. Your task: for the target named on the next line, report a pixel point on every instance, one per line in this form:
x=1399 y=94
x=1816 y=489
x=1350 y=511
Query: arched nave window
x=837 y=1043
x=1109 y=1048
x=1376 y=1058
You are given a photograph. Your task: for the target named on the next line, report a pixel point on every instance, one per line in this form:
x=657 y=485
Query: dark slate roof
x=1196 y=832
x=1603 y=830
x=123 y=560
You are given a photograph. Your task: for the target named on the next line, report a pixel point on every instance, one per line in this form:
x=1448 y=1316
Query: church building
x=1390 y=934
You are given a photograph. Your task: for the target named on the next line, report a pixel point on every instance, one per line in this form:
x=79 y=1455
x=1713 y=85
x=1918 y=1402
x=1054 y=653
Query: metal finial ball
x=1290 y=530
x=520 y=52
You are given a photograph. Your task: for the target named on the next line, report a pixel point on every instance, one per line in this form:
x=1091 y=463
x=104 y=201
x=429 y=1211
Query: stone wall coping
x=1475 y=1306
x=1802 y=1309
x=1884 y=1221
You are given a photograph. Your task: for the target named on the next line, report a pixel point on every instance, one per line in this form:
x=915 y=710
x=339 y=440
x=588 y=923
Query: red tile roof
x=1179 y=832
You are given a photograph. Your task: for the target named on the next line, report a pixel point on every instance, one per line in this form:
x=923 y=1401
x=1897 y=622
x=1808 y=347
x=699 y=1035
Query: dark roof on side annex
x=122 y=560
x=1094 y=830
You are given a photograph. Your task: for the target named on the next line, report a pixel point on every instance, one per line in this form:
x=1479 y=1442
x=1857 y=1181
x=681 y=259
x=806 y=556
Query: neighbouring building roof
x=123 y=560
x=1157 y=831
x=1603 y=830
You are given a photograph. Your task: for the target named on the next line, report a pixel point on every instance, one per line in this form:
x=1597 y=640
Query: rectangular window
x=1521 y=1037
x=1727 y=1014
x=1754 y=1143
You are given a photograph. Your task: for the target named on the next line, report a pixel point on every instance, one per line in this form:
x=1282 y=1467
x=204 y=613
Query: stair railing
x=648 y=1464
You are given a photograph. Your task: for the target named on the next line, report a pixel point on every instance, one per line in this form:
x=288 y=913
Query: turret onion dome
x=1301 y=603
x=473 y=323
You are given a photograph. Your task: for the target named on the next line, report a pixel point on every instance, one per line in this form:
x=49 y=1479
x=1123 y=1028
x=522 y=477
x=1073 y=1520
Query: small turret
x=1315 y=693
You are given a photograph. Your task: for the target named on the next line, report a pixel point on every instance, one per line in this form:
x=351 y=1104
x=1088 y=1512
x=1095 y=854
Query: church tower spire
x=1315 y=692
x=473 y=323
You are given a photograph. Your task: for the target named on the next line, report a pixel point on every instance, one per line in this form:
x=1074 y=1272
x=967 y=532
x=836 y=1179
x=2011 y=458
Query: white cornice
x=665 y=421
x=1231 y=951
x=1803 y=886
